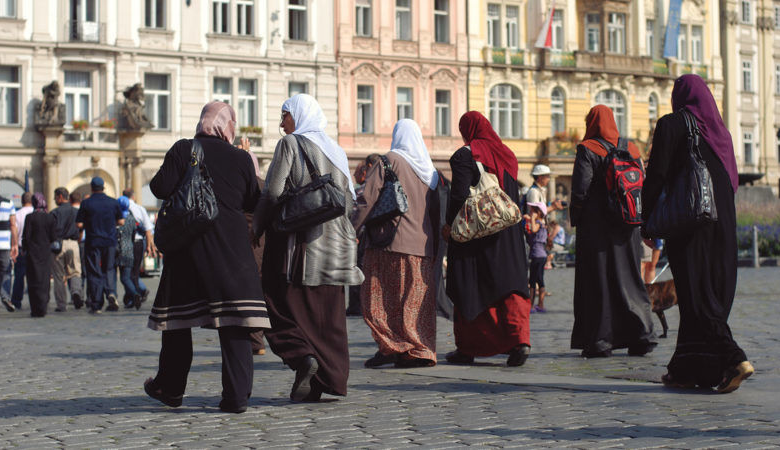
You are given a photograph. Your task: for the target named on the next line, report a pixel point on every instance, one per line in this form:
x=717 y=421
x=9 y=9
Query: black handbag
x=391 y=203
x=315 y=203
x=56 y=246
x=687 y=201
x=192 y=208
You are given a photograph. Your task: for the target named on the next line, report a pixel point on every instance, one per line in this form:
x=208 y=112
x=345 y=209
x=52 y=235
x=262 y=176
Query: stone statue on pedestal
x=133 y=115
x=50 y=112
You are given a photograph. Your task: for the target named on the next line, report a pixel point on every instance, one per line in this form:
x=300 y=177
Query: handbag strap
x=389 y=173
x=313 y=172
x=694 y=133
x=197 y=152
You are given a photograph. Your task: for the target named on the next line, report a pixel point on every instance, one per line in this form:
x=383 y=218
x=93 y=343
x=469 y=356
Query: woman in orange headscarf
x=487 y=278
x=611 y=306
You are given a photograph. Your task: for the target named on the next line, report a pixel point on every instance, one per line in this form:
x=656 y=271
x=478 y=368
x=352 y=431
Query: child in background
x=536 y=232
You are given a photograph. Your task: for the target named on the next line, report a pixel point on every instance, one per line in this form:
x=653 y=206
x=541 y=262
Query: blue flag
x=672 y=29
x=26 y=181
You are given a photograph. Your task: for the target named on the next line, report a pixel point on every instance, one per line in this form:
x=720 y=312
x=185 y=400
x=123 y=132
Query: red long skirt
x=496 y=330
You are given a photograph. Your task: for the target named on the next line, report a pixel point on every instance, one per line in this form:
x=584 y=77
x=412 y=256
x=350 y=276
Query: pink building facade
x=401 y=59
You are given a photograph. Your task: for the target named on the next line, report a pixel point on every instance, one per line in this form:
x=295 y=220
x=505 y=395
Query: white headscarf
x=310 y=122
x=408 y=142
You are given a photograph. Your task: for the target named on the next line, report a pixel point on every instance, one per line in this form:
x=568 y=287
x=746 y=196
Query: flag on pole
x=26 y=181
x=544 y=40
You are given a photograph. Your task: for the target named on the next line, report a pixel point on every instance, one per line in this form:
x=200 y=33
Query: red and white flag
x=544 y=40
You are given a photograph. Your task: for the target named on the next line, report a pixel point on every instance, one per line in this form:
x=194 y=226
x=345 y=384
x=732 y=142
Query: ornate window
x=557 y=29
x=78 y=96
x=247 y=102
x=245 y=13
x=442 y=112
x=403 y=20
x=512 y=28
x=650 y=37
x=505 y=111
x=404 y=101
x=697 y=48
x=7 y=8
x=365 y=109
x=682 y=43
x=557 y=111
x=157 y=90
x=298 y=25
x=441 y=21
x=746 y=11
x=616 y=32
x=747 y=76
x=223 y=90
x=617 y=103
x=593 y=32
x=494 y=25
x=155 y=14
x=363 y=18
x=9 y=95
x=220 y=15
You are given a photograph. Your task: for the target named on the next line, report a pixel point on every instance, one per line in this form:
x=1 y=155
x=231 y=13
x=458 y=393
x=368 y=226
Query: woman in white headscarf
x=399 y=295
x=305 y=274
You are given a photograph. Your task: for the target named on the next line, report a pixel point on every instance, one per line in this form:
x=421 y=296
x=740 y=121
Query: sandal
x=734 y=376
x=157 y=394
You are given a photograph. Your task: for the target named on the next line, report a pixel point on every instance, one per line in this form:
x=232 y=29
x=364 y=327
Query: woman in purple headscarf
x=39 y=233
x=704 y=262
x=213 y=283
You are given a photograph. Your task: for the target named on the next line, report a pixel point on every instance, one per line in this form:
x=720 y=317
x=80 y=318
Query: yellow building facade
x=606 y=52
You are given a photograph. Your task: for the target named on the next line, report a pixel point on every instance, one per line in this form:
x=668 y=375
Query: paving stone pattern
x=75 y=380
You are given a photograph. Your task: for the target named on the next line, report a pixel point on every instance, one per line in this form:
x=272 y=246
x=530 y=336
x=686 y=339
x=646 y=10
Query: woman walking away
x=399 y=295
x=487 y=278
x=213 y=282
x=39 y=232
x=305 y=274
x=704 y=261
x=125 y=256
x=611 y=306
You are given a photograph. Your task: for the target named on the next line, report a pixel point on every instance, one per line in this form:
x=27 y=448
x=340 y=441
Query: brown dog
x=663 y=296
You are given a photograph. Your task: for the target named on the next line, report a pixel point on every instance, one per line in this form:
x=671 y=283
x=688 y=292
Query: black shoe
x=640 y=349
x=59 y=310
x=137 y=302
x=229 y=407
x=591 y=354
x=457 y=357
x=518 y=355
x=306 y=369
x=113 y=305
x=95 y=311
x=77 y=301
x=409 y=362
x=379 y=360
x=144 y=295
x=8 y=305
x=156 y=393
x=354 y=311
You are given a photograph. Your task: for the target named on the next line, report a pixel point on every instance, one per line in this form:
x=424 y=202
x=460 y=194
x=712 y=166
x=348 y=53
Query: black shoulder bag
x=192 y=208
x=686 y=201
x=307 y=206
x=391 y=203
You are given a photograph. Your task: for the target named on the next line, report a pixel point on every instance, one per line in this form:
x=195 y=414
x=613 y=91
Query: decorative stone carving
x=133 y=114
x=765 y=23
x=366 y=71
x=730 y=17
x=443 y=76
x=50 y=112
x=406 y=74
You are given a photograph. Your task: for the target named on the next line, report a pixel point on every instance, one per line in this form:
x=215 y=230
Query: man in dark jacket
x=66 y=266
x=99 y=216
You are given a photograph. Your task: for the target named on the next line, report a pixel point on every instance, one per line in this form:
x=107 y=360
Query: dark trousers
x=100 y=263
x=138 y=259
x=237 y=364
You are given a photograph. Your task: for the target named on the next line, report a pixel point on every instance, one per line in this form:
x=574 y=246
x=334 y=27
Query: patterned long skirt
x=399 y=303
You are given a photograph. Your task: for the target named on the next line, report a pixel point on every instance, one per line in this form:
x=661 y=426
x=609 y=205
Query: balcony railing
x=508 y=56
x=81 y=31
x=660 y=67
x=559 y=58
x=94 y=137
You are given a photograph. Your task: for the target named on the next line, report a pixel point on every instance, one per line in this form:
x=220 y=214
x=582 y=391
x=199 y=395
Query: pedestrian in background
x=17 y=292
x=651 y=252
x=39 y=232
x=611 y=306
x=399 y=294
x=9 y=248
x=143 y=243
x=305 y=274
x=704 y=261
x=536 y=233
x=537 y=192
x=487 y=278
x=556 y=241
x=66 y=265
x=213 y=281
x=125 y=256
x=99 y=216
x=75 y=201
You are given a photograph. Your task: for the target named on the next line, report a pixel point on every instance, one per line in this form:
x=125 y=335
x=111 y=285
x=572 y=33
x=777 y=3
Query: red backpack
x=625 y=176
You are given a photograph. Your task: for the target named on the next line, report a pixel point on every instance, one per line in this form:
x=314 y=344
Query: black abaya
x=39 y=233
x=611 y=306
x=704 y=263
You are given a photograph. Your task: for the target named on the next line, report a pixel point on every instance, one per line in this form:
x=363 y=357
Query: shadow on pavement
x=633 y=431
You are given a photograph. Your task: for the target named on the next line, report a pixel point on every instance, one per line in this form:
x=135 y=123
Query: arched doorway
x=12 y=190
x=80 y=182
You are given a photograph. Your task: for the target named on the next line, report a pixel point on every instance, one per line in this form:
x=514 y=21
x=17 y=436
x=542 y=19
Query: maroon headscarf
x=217 y=119
x=39 y=202
x=600 y=122
x=691 y=92
x=486 y=146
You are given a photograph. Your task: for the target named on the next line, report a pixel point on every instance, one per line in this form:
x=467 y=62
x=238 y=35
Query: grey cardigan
x=330 y=256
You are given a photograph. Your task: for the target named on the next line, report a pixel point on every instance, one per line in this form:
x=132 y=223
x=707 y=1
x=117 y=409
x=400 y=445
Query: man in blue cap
x=99 y=216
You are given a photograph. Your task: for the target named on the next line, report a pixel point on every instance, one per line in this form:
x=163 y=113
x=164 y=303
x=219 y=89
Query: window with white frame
x=494 y=25
x=557 y=29
x=747 y=145
x=505 y=111
x=7 y=8
x=365 y=109
x=84 y=20
x=746 y=11
x=616 y=32
x=157 y=90
x=441 y=21
x=615 y=101
x=9 y=95
x=220 y=16
x=747 y=76
x=442 y=107
x=777 y=17
x=512 y=26
x=593 y=32
x=297 y=87
x=557 y=111
x=652 y=108
x=78 y=96
x=155 y=14
x=777 y=79
x=404 y=102
x=247 y=102
x=403 y=20
x=777 y=142
x=245 y=15
x=363 y=18
x=650 y=37
x=223 y=90
x=682 y=43
x=298 y=21
x=697 y=44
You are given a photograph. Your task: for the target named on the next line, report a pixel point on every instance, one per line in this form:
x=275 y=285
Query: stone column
x=51 y=161
x=130 y=151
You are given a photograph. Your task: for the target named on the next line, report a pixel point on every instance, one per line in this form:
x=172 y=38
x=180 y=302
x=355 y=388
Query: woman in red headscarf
x=487 y=278
x=611 y=306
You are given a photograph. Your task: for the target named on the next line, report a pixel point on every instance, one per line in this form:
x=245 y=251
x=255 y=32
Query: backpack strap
x=607 y=145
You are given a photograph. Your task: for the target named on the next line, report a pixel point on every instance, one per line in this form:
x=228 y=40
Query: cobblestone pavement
x=72 y=379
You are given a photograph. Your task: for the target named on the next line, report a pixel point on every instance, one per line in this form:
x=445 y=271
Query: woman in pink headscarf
x=214 y=282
